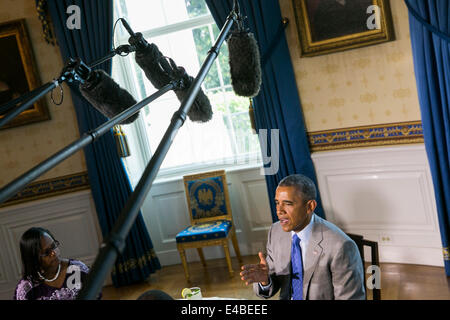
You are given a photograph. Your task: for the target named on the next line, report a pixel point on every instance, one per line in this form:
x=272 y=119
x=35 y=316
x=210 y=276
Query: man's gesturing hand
x=256 y=272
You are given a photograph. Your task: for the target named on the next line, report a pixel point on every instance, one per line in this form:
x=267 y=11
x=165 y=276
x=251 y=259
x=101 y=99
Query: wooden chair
x=210 y=215
x=361 y=242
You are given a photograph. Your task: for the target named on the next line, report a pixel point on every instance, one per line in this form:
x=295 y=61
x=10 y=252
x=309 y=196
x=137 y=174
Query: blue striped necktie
x=297 y=269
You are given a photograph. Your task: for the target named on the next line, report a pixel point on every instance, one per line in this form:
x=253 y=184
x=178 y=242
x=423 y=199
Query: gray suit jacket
x=332 y=270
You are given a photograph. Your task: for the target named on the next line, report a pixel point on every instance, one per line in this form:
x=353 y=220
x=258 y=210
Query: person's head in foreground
x=307 y=256
x=154 y=295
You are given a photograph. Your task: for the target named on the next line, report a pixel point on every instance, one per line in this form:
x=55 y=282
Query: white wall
x=72 y=220
x=385 y=194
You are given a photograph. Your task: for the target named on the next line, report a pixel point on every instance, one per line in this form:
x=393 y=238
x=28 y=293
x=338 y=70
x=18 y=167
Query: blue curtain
x=277 y=106
x=430 y=35
x=109 y=181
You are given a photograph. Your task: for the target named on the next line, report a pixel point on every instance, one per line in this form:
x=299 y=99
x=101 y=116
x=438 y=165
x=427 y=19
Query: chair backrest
x=207 y=197
x=374 y=259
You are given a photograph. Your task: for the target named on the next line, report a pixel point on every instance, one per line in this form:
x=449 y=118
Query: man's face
x=292 y=211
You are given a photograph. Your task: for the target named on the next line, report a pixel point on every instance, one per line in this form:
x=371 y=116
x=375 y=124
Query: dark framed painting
x=18 y=73
x=327 y=26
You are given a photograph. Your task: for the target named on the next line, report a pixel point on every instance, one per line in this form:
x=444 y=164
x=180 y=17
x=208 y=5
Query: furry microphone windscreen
x=150 y=59
x=107 y=96
x=245 y=64
x=201 y=110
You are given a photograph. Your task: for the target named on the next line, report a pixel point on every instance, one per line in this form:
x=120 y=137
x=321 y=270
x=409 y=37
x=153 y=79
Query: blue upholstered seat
x=205 y=231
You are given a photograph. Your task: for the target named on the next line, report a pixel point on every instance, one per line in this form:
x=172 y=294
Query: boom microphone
x=245 y=64
x=201 y=110
x=107 y=96
x=160 y=72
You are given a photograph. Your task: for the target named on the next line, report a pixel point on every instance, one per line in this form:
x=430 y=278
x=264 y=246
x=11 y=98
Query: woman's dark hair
x=30 y=249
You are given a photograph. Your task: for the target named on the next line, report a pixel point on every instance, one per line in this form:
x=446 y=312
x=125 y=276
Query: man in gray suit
x=326 y=263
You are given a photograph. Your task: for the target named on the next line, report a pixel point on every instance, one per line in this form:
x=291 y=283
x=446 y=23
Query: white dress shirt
x=304 y=236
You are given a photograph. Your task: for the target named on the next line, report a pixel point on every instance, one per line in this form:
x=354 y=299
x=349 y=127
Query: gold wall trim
x=50 y=188
x=143 y=261
x=367 y=136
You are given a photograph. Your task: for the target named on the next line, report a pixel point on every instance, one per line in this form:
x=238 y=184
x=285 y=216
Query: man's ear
x=311 y=206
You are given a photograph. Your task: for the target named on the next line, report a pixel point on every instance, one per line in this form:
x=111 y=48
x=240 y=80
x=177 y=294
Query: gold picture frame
x=327 y=26
x=18 y=73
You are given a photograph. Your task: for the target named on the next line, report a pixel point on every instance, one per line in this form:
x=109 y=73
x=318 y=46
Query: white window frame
x=137 y=132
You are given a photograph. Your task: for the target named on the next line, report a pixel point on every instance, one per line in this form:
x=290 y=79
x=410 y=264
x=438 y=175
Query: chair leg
x=184 y=262
x=202 y=257
x=228 y=257
x=236 y=246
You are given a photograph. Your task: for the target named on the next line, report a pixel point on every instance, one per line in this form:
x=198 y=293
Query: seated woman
x=46 y=276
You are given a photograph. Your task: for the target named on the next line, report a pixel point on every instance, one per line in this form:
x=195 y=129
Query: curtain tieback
x=426 y=24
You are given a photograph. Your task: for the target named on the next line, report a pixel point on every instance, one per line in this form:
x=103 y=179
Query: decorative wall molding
x=386 y=195
x=50 y=188
x=367 y=136
x=72 y=220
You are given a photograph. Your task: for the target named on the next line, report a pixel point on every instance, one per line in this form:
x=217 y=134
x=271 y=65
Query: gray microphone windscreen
x=107 y=96
x=150 y=59
x=245 y=64
x=157 y=69
x=201 y=110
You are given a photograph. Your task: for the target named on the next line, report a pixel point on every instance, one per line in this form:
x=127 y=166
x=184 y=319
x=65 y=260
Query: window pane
x=223 y=58
x=196 y=8
x=203 y=43
x=195 y=143
x=150 y=14
x=247 y=142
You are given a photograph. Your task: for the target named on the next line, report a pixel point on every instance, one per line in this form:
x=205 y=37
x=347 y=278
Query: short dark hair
x=154 y=295
x=30 y=249
x=303 y=184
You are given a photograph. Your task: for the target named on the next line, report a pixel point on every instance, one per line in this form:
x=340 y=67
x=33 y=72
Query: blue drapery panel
x=277 y=106
x=109 y=181
x=431 y=53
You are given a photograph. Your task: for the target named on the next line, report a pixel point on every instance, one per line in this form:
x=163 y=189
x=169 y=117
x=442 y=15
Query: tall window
x=184 y=30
